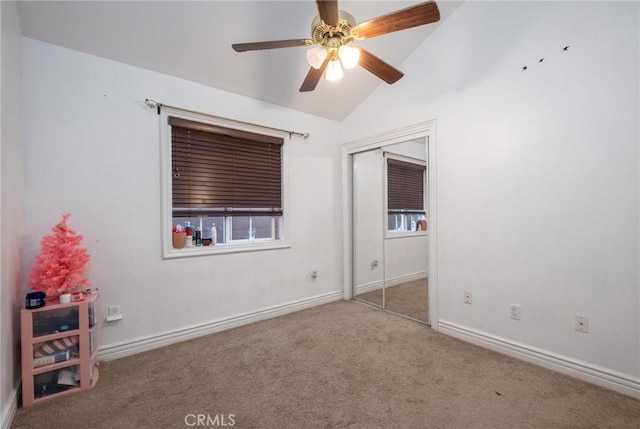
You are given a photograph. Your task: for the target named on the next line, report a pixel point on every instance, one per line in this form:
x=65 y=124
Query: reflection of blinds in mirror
x=222 y=171
x=405 y=187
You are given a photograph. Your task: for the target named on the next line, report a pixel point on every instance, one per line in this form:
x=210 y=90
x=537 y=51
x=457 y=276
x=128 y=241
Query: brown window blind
x=222 y=171
x=405 y=187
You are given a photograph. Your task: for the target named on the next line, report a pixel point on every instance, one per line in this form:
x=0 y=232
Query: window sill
x=195 y=251
x=405 y=234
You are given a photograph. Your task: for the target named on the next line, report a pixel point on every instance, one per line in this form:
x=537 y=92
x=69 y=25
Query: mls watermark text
x=210 y=420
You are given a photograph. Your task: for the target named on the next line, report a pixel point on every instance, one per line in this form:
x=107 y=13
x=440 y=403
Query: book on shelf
x=51 y=359
x=69 y=377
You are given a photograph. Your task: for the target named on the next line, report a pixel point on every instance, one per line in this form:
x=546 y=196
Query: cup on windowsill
x=179 y=240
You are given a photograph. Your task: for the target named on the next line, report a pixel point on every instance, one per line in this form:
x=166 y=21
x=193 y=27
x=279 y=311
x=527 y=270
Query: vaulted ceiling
x=192 y=40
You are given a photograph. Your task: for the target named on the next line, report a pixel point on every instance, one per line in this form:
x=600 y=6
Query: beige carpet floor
x=340 y=365
x=410 y=299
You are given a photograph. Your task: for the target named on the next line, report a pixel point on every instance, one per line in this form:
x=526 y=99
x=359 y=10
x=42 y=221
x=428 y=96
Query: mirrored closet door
x=406 y=240
x=390 y=228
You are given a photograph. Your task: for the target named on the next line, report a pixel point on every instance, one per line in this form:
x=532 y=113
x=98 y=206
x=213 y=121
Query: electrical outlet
x=467 y=297
x=582 y=324
x=313 y=276
x=374 y=264
x=515 y=312
x=114 y=313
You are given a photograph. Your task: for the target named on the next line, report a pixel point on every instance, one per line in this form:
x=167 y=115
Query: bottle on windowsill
x=198 y=237
x=189 y=230
x=214 y=234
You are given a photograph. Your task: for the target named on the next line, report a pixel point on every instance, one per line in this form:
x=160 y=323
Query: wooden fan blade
x=328 y=10
x=313 y=77
x=274 y=44
x=414 y=16
x=375 y=65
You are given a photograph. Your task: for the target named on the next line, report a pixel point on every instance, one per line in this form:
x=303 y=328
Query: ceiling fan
x=333 y=31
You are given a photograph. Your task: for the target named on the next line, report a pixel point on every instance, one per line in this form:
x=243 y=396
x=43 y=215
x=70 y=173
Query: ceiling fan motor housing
x=325 y=35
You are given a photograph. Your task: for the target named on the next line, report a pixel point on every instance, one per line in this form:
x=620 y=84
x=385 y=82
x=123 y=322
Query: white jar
x=214 y=234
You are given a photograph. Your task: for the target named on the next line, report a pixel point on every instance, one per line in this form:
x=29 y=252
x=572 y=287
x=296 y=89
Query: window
x=226 y=179
x=406 y=195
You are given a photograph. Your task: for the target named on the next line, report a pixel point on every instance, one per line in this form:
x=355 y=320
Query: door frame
x=426 y=129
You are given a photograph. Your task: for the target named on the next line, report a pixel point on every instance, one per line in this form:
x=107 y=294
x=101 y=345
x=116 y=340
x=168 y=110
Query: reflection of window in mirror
x=406 y=202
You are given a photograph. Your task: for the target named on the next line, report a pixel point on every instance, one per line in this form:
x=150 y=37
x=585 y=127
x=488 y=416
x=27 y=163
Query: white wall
x=11 y=208
x=92 y=149
x=537 y=173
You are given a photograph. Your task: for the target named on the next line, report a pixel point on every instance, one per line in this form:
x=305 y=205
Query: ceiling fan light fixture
x=349 y=56
x=316 y=56
x=334 y=71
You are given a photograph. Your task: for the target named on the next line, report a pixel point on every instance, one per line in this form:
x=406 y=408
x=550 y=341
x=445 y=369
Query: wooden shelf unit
x=43 y=326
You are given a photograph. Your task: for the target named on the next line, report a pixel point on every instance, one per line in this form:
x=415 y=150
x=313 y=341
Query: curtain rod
x=152 y=103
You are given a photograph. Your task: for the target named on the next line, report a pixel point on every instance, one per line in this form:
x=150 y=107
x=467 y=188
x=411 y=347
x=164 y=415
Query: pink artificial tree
x=60 y=266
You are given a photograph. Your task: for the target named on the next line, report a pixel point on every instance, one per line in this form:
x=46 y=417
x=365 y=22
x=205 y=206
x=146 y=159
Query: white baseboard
x=394 y=281
x=12 y=407
x=368 y=287
x=142 y=344
x=604 y=377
